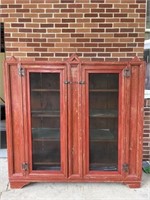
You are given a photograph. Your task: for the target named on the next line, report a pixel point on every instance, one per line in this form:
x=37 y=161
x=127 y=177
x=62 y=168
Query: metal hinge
x=125 y=167
x=20 y=71
x=127 y=72
x=25 y=166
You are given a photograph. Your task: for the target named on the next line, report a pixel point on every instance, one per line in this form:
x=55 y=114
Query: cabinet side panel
x=140 y=118
x=16 y=118
x=136 y=121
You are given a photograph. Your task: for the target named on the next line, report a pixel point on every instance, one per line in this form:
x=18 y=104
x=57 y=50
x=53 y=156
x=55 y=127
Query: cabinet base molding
x=133 y=185
x=21 y=184
x=18 y=185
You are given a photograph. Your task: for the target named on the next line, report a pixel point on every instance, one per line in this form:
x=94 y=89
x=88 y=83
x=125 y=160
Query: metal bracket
x=21 y=71
x=127 y=72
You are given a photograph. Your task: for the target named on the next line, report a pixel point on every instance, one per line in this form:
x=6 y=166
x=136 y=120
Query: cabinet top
x=74 y=59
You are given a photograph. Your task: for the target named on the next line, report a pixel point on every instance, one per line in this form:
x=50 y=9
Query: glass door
x=47 y=141
x=103 y=121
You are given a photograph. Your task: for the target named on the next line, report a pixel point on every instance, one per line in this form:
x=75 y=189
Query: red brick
x=39 y=30
x=98 y=20
x=67 y=10
x=47 y=44
x=25 y=30
x=68 y=20
x=68 y=30
x=33 y=54
x=95 y=30
x=61 y=25
x=24 y=19
x=47 y=54
x=91 y=15
x=75 y=5
x=46 y=25
x=40 y=49
x=15 y=6
x=67 y=1
x=25 y=39
x=61 y=54
x=77 y=35
x=105 y=5
x=97 y=10
x=17 y=25
x=97 y=1
x=22 y=10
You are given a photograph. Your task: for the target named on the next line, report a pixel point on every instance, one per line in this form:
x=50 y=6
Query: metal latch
x=127 y=72
x=25 y=166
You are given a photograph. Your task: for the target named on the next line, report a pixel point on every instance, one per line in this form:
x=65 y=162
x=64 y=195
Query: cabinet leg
x=133 y=185
x=18 y=185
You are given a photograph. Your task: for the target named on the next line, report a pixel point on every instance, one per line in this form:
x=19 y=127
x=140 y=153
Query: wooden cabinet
x=74 y=121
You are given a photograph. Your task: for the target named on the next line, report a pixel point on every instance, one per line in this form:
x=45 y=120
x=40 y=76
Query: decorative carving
x=136 y=59
x=74 y=59
x=13 y=59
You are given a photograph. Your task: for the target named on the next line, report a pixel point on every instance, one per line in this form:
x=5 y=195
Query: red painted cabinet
x=74 y=121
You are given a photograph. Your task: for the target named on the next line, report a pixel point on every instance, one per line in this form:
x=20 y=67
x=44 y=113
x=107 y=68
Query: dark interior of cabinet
x=45 y=120
x=103 y=121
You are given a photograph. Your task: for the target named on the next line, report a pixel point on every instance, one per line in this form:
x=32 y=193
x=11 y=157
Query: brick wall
x=146 y=141
x=103 y=30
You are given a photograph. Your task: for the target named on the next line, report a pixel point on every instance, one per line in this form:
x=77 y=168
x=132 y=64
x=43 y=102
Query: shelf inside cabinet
x=97 y=135
x=44 y=113
x=46 y=165
x=45 y=134
x=44 y=90
x=103 y=90
x=104 y=113
x=104 y=166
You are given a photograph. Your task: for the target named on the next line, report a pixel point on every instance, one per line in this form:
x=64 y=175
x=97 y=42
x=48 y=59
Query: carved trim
x=13 y=59
x=74 y=59
x=136 y=59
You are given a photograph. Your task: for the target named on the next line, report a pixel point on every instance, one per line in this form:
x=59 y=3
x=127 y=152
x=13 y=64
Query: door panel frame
x=48 y=174
x=104 y=175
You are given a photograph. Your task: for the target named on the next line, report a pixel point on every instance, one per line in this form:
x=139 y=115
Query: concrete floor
x=71 y=191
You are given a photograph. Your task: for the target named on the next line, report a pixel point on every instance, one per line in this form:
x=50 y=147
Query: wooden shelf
x=46 y=166
x=46 y=134
x=45 y=113
x=45 y=140
x=103 y=90
x=103 y=166
x=104 y=113
x=45 y=90
x=102 y=135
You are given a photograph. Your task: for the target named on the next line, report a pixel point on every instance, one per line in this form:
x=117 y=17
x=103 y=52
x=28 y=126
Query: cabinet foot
x=134 y=185
x=18 y=185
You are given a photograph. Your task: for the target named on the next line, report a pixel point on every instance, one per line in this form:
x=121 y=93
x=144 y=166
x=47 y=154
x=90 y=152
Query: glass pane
x=45 y=120
x=103 y=110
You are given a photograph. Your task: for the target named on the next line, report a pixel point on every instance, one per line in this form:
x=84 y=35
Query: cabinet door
x=103 y=148
x=47 y=115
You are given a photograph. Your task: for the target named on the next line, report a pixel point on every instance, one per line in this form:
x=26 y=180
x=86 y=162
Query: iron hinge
x=25 y=166
x=125 y=167
x=20 y=71
x=127 y=72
